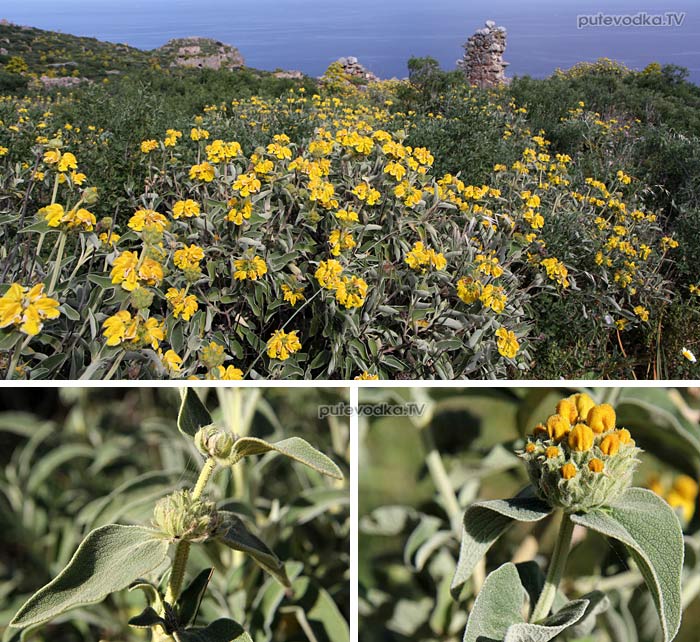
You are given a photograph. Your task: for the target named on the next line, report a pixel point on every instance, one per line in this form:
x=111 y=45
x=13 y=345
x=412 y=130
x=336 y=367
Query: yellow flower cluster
x=27 y=308
x=681 y=495
x=422 y=258
x=281 y=345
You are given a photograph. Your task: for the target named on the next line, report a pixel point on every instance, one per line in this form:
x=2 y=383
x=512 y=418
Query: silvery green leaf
x=649 y=528
x=222 y=630
x=108 y=560
x=295 y=448
x=598 y=603
x=497 y=607
x=485 y=522
x=193 y=414
x=235 y=535
x=547 y=630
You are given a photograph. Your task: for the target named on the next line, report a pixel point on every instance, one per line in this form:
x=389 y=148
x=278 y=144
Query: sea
x=307 y=35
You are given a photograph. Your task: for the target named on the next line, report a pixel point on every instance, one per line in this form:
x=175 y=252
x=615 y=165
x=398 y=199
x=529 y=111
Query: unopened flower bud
x=90 y=195
x=141 y=298
x=213 y=442
x=180 y=517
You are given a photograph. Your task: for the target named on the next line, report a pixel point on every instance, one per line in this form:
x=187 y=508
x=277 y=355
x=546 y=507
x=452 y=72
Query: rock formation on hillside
x=203 y=53
x=352 y=67
x=483 y=63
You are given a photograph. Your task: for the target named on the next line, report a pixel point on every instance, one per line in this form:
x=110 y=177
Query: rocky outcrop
x=483 y=63
x=47 y=82
x=202 y=53
x=288 y=73
x=352 y=67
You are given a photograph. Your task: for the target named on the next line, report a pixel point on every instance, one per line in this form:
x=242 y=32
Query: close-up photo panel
x=362 y=321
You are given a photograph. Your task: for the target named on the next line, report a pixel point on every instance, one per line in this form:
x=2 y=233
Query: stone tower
x=483 y=63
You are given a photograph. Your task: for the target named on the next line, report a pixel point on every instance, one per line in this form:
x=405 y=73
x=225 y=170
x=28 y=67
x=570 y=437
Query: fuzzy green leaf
x=193 y=413
x=221 y=630
x=295 y=448
x=498 y=606
x=109 y=559
x=649 y=528
x=485 y=522
x=547 y=630
x=497 y=615
x=235 y=535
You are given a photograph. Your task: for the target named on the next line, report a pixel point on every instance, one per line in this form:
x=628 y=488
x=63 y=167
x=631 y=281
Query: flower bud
x=90 y=195
x=180 y=517
x=141 y=298
x=581 y=438
x=557 y=427
x=213 y=442
x=584 y=467
x=601 y=418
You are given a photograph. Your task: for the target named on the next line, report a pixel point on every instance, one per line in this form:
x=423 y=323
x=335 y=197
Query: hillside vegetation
x=206 y=223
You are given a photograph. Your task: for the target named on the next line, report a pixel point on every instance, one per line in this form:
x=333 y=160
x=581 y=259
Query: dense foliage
x=532 y=231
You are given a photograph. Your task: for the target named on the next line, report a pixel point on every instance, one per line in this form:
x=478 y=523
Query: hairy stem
x=556 y=570
x=182 y=552
x=57 y=264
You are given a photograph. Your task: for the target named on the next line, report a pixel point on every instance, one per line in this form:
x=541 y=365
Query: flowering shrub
x=331 y=252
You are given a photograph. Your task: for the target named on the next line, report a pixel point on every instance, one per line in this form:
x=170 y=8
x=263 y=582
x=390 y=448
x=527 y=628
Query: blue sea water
x=309 y=34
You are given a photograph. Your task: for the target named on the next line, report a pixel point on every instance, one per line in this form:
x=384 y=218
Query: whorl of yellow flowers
x=578 y=459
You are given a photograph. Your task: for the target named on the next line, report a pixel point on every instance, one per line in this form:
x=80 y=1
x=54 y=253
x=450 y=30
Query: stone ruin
x=352 y=67
x=483 y=63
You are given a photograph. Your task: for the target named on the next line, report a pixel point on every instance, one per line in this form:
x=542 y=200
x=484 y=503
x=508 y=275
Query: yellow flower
x=282 y=345
x=237 y=213
x=228 y=374
x=340 y=240
x=292 y=295
x=27 y=308
x=124 y=270
x=184 y=305
x=187 y=208
x=688 y=355
x=119 y=327
x=52 y=156
x=556 y=271
x=351 y=292
x=152 y=332
x=420 y=258
x=202 y=172
x=581 y=438
x=197 y=133
x=366 y=376
x=145 y=218
x=468 y=290
x=596 y=465
x=110 y=239
x=252 y=268
x=551 y=452
x=396 y=170
x=172 y=361
x=188 y=257
x=67 y=162
x=53 y=214
x=507 y=343
x=328 y=274
x=80 y=218
x=247 y=184
x=148 y=146
x=641 y=312
x=212 y=355
x=494 y=297
x=367 y=194
x=78 y=178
